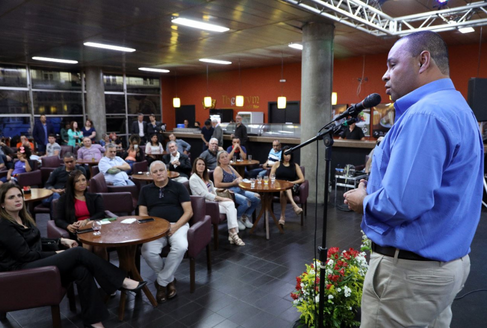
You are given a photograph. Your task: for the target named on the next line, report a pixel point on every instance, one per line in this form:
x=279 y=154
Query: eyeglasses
x=161 y=193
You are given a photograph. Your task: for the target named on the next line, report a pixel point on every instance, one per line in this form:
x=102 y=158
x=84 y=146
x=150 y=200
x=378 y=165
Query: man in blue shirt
x=42 y=129
x=422 y=203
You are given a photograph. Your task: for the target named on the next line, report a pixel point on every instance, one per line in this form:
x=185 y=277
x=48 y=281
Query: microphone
x=350 y=121
x=369 y=101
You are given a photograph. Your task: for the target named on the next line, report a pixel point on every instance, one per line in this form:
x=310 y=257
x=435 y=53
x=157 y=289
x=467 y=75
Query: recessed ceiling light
x=215 y=61
x=109 y=47
x=200 y=25
x=56 y=60
x=296 y=46
x=466 y=30
x=157 y=70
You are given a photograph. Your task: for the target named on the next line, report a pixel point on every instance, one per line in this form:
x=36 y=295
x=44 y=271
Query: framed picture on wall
x=363 y=117
x=382 y=119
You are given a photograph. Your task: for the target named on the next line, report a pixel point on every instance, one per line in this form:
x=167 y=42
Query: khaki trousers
x=405 y=293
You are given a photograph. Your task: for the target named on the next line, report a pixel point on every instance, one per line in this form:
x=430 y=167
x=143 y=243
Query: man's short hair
x=214 y=120
x=278 y=141
x=152 y=114
x=235 y=138
x=52 y=135
x=432 y=42
x=86 y=138
x=213 y=139
x=110 y=145
x=68 y=155
x=140 y=114
x=171 y=143
x=157 y=162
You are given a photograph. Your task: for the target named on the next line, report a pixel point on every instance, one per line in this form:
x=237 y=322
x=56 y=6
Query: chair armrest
x=33 y=178
x=24 y=289
x=109 y=214
x=53 y=231
x=304 y=190
x=131 y=189
x=199 y=236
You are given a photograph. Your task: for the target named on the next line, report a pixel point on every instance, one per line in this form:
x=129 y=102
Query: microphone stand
x=326 y=134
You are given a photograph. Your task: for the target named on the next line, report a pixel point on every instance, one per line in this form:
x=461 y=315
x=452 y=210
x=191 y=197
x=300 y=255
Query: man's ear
x=424 y=61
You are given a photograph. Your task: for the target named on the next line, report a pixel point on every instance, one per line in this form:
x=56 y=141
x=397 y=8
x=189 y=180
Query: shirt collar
x=402 y=104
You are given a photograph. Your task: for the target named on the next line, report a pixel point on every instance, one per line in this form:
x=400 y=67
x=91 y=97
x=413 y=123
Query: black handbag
x=296 y=188
x=50 y=245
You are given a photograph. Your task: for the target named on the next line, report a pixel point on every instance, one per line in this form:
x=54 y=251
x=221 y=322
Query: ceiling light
x=207 y=102
x=56 y=60
x=466 y=30
x=281 y=102
x=442 y=2
x=200 y=25
x=157 y=70
x=215 y=61
x=176 y=102
x=295 y=46
x=334 y=98
x=109 y=47
x=239 y=101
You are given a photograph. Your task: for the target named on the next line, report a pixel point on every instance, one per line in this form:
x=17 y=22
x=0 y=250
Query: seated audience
x=52 y=147
x=201 y=185
x=226 y=177
x=170 y=200
x=287 y=170
x=237 y=150
x=7 y=155
x=133 y=153
x=117 y=141
x=59 y=177
x=89 y=130
x=77 y=208
x=74 y=134
x=90 y=150
x=183 y=146
x=273 y=157
x=114 y=168
x=105 y=139
x=24 y=164
x=177 y=162
x=21 y=247
x=209 y=155
x=24 y=141
x=153 y=147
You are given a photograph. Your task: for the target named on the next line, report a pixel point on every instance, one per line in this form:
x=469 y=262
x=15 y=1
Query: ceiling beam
x=370 y=19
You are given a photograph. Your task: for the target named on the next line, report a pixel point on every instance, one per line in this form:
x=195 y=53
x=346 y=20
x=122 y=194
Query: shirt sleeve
x=142 y=199
x=103 y=165
x=408 y=185
x=186 y=146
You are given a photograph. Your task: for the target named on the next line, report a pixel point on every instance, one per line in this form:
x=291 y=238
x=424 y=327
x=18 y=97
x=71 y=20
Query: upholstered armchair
x=98 y=184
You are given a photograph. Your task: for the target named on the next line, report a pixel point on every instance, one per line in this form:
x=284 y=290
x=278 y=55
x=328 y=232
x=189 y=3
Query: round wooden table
x=240 y=166
x=126 y=237
x=266 y=195
x=148 y=177
x=35 y=195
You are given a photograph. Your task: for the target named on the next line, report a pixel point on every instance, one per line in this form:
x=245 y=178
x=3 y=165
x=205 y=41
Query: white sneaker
x=241 y=226
x=247 y=221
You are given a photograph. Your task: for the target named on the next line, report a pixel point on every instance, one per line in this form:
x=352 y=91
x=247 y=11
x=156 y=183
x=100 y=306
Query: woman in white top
x=201 y=185
x=152 y=148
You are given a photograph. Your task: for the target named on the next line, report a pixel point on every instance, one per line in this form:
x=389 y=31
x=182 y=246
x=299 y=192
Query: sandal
x=282 y=222
x=298 y=210
x=235 y=239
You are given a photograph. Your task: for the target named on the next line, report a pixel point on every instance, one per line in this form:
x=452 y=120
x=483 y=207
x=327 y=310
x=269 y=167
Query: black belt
x=391 y=251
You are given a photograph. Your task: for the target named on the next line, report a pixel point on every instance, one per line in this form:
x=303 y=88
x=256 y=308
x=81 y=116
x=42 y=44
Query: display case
x=280 y=130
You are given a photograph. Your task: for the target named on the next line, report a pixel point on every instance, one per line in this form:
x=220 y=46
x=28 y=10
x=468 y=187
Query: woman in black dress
x=287 y=170
x=21 y=247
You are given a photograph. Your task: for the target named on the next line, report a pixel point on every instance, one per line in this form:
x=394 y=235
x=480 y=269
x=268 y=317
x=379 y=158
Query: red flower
x=342 y=272
x=298 y=279
x=328 y=286
x=332 y=251
x=294 y=296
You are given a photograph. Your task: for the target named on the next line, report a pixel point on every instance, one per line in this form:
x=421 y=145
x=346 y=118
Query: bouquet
x=344 y=279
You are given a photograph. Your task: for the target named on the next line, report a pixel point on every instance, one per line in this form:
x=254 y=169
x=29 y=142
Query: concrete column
x=95 y=100
x=316 y=88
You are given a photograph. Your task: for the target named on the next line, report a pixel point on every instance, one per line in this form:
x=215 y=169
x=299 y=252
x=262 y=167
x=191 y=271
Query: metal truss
x=367 y=16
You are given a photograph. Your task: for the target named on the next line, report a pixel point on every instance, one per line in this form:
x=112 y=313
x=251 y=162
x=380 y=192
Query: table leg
x=261 y=212
x=126 y=257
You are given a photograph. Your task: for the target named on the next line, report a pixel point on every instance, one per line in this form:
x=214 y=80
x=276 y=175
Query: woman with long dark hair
x=287 y=170
x=74 y=134
x=201 y=185
x=77 y=208
x=21 y=247
x=89 y=130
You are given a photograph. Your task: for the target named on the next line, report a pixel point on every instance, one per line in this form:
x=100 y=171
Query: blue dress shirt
x=425 y=186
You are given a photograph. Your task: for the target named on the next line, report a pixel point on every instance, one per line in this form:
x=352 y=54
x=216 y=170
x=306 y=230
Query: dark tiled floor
x=249 y=286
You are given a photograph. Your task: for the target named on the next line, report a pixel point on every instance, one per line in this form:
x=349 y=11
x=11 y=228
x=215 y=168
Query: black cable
x=473 y=291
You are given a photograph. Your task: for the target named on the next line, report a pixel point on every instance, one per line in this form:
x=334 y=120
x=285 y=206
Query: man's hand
x=69 y=243
x=172 y=229
x=355 y=198
x=71 y=228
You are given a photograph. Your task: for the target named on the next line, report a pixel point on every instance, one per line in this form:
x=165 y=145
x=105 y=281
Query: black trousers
x=81 y=266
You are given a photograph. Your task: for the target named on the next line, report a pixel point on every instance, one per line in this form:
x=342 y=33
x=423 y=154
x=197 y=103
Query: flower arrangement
x=345 y=273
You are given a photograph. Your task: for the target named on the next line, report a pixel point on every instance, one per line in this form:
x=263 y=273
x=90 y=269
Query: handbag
x=295 y=188
x=225 y=193
x=49 y=244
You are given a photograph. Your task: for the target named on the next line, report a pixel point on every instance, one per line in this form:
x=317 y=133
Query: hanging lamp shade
x=207 y=102
x=281 y=102
x=176 y=102
x=239 y=101
x=334 y=98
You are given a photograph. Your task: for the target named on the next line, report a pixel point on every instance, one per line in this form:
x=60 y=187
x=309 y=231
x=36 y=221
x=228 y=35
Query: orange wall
x=261 y=85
